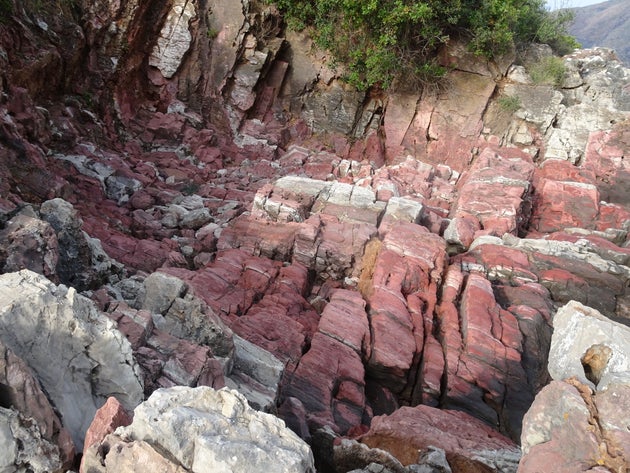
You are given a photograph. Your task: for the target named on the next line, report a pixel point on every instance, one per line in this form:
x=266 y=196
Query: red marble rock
x=329 y=380
x=109 y=417
x=409 y=430
x=495 y=190
x=484 y=346
x=410 y=262
x=565 y=204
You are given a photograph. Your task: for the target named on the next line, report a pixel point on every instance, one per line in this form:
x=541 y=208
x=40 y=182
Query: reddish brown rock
x=110 y=416
x=330 y=246
x=22 y=392
x=486 y=378
x=329 y=380
x=496 y=190
x=564 y=204
x=403 y=291
x=462 y=437
x=259 y=238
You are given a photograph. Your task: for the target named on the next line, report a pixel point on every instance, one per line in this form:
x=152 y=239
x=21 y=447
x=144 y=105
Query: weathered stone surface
x=256 y=374
x=29 y=243
x=290 y=199
x=589 y=347
x=495 y=190
x=485 y=375
x=23 y=447
x=202 y=429
x=82 y=262
x=174 y=39
x=573 y=202
x=128 y=457
x=407 y=270
x=107 y=419
x=461 y=436
x=52 y=328
x=562 y=429
x=21 y=392
x=349 y=203
x=332 y=247
x=163 y=168
x=183 y=315
x=329 y=380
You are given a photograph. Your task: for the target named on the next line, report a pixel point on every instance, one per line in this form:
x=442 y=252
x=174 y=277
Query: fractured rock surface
x=76 y=352
x=246 y=219
x=185 y=429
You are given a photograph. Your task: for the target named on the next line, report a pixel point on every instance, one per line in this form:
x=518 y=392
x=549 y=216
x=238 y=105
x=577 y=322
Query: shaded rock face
x=244 y=219
x=183 y=429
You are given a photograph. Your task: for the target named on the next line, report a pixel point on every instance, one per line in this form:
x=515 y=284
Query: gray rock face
x=174 y=39
x=201 y=430
x=82 y=263
x=30 y=243
x=76 y=352
x=182 y=315
x=22 y=448
x=590 y=347
x=256 y=374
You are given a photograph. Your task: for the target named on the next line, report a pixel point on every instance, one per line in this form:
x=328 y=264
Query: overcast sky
x=553 y=4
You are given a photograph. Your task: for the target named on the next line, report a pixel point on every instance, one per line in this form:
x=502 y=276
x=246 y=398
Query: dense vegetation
x=386 y=41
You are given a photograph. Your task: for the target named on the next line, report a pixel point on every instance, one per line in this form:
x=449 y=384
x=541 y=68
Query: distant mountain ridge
x=604 y=24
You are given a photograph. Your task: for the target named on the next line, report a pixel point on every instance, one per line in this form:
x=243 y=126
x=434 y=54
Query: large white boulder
x=201 y=430
x=77 y=353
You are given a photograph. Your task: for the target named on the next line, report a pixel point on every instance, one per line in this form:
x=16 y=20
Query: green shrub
x=6 y=10
x=395 y=41
x=509 y=103
x=548 y=71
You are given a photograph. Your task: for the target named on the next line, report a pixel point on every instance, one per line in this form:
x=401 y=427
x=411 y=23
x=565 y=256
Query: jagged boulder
x=24 y=448
x=579 y=421
x=82 y=263
x=196 y=430
x=76 y=352
x=589 y=347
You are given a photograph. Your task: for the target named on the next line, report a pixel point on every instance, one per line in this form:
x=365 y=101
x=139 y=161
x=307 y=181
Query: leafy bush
x=509 y=103
x=387 y=41
x=549 y=71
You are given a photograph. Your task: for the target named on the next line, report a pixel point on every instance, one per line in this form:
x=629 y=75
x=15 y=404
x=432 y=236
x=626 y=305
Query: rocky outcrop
x=576 y=422
x=77 y=354
x=468 y=444
x=182 y=429
x=23 y=446
x=332 y=254
x=51 y=242
x=32 y=429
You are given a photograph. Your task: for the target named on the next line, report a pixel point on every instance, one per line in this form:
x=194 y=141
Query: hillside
x=605 y=24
